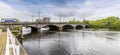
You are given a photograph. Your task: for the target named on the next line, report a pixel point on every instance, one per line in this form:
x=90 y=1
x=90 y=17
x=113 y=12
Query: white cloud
x=90 y=9
x=100 y=9
x=105 y=9
x=7 y=11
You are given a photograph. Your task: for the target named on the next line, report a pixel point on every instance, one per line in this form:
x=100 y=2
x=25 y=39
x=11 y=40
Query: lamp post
x=32 y=18
x=60 y=18
x=84 y=24
x=74 y=20
x=60 y=28
x=39 y=14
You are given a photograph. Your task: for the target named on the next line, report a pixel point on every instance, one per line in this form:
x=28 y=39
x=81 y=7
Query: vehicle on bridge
x=8 y=20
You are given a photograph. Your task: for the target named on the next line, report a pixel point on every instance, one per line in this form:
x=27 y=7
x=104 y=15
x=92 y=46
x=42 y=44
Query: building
x=46 y=19
x=39 y=20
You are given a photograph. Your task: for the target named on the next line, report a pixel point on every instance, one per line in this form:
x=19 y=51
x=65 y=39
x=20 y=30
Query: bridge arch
x=87 y=26
x=33 y=29
x=53 y=27
x=67 y=27
x=79 y=27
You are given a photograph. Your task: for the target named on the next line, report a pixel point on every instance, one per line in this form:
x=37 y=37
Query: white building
x=39 y=20
x=46 y=19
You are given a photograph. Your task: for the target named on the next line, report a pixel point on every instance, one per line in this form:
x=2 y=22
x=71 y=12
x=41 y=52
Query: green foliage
x=111 y=22
x=16 y=28
x=17 y=21
x=115 y=25
x=75 y=22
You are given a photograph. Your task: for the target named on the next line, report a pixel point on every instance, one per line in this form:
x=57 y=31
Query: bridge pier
x=60 y=29
x=74 y=27
x=83 y=27
x=39 y=29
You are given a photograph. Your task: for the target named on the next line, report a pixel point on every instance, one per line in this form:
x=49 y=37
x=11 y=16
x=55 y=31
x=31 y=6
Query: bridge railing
x=11 y=45
x=34 y=23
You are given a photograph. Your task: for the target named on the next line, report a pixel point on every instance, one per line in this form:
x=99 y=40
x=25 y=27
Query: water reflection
x=73 y=43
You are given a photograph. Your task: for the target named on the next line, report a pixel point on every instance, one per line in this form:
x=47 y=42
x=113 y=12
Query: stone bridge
x=52 y=26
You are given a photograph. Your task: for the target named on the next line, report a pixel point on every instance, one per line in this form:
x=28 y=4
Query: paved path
x=3 y=36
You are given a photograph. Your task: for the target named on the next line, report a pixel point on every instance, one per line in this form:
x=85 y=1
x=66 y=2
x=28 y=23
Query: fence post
x=18 y=50
x=7 y=43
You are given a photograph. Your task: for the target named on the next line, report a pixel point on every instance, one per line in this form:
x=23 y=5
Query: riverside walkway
x=3 y=36
x=9 y=45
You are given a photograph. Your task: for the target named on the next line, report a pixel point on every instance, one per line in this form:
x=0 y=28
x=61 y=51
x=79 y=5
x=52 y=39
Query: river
x=73 y=43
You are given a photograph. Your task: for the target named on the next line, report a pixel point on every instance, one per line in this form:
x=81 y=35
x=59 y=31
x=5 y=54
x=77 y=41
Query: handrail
x=11 y=44
x=7 y=44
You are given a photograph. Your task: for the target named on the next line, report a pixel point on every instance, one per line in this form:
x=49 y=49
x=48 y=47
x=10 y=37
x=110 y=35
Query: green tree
x=75 y=21
x=17 y=21
x=108 y=22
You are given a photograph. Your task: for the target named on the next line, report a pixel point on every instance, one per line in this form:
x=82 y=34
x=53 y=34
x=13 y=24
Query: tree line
x=112 y=23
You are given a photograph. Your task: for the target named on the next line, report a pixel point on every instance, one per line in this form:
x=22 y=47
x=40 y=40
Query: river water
x=73 y=43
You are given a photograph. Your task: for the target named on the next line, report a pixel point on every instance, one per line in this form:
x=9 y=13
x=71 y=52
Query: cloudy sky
x=67 y=9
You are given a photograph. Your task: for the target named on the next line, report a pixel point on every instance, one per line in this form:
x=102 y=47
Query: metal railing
x=12 y=48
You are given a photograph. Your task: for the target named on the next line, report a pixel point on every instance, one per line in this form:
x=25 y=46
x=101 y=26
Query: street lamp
x=32 y=18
